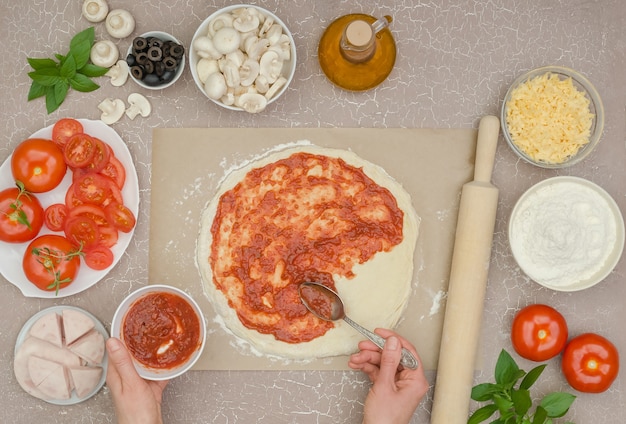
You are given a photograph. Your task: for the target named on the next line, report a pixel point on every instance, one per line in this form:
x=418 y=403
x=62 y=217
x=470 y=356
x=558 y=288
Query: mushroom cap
x=139 y=105
x=95 y=10
x=118 y=73
x=215 y=85
x=104 y=53
x=120 y=23
x=226 y=40
x=252 y=102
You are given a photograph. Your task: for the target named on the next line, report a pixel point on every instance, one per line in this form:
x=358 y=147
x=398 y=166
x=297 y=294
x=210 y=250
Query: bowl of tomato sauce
x=163 y=329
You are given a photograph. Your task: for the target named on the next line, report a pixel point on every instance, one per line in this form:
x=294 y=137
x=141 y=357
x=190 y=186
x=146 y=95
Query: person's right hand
x=396 y=391
x=136 y=400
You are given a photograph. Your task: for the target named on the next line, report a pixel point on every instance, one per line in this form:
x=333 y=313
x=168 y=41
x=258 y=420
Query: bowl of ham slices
x=60 y=355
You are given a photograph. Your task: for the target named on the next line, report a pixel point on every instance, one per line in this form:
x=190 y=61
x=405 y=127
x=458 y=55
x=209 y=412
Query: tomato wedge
x=98 y=257
x=120 y=217
x=64 y=129
x=55 y=215
x=82 y=231
x=79 y=150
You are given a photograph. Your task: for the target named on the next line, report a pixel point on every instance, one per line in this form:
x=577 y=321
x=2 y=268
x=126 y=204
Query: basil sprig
x=53 y=78
x=512 y=401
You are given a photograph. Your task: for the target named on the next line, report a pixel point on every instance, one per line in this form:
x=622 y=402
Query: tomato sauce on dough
x=303 y=218
x=161 y=330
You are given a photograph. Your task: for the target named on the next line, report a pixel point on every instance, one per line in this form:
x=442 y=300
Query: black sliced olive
x=155 y=53
x=148 y=67
x=142 y=58
x=170 y=63
x=177 y=51
x=136 y=72
x=166 y=49
x=130 y=59
x=155 y=42
x=140 y=44
x=152 y=80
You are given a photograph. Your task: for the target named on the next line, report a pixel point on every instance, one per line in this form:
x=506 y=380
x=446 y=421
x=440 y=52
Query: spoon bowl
x=326 y=304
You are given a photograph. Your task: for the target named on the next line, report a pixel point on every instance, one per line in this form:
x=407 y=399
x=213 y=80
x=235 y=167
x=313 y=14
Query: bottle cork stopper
x=359 y=33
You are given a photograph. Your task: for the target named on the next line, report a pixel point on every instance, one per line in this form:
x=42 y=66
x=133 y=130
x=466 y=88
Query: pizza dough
x=374 y=292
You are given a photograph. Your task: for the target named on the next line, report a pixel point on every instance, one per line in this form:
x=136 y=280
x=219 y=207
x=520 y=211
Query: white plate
x=13 y=253
x=59 y=309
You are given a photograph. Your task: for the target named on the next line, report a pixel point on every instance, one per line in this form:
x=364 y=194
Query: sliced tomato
x=108 y=235
x=64 y=129
x=94 y=212
x=79 y=150
x=93 y=188
x=71 y=201
x=82 y=231
x=115 y=171
x=100 y=157
x=98 y=257
x=55 y=215
x=120 y=217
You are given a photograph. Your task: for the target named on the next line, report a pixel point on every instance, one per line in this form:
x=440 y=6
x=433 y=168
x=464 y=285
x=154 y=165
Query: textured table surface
x=455 y=61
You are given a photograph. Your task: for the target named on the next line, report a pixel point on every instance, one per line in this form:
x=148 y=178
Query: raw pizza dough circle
x=375 y=297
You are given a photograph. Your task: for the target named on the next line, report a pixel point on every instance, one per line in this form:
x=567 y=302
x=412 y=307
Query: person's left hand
x=136 y=400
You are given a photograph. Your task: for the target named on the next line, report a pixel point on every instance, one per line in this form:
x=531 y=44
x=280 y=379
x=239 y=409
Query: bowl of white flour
x=566 y=233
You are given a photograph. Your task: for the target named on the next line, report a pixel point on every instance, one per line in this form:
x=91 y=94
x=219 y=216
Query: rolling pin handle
x=488 y=131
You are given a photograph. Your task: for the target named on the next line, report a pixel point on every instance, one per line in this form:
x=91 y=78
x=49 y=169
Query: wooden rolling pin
x=468 y=281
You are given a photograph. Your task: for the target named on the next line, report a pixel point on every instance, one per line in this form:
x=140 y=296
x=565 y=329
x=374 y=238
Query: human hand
x=136 y=400
x=396 y=391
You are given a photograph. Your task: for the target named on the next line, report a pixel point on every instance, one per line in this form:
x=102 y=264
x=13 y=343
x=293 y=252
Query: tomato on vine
x=21 y=215
x=51 y=262
x=539 y=332
x=590 y=363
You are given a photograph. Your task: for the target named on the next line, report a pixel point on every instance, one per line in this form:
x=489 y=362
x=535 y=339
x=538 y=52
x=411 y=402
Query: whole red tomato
x=39 y=164
x=51 y=262
x=539 y=332
x=590 y=363
x=21 y=215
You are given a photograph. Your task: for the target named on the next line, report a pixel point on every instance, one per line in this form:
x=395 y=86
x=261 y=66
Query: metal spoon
x=327 y=305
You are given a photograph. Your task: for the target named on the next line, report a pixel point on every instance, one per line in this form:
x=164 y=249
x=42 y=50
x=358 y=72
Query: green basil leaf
x=36 y=90
x=46 y=77
x=79 y=40
x=505 y=406
x=60 y=91
x=482 y=414
x=507 y=371
x=52 y=103
x=557 y=404
x=68 y=69
x=37 y=64
x=521 y=401
x=92 y=70
x=532 y=377
x=83 y=84
x=540 y=416
x=81 y=53
x=484 y=392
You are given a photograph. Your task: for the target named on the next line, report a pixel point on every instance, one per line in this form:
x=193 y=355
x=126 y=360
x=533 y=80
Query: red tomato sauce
x=161 y=330
x=306 y=218
x=318 y=301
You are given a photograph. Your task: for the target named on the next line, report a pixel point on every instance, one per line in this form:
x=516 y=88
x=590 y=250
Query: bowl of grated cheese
x=552 y=117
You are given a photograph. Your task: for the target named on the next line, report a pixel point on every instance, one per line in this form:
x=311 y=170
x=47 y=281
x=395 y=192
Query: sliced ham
x=48 y=328
x=56 y=384
x=85 y=379
x=90 y=347
x=75 y=325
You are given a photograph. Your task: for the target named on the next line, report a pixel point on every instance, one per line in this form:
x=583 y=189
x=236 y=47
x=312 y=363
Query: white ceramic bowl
x=163 y=36
x=566 y=233
x=118 y=323
x=289 y=66
x=582 y=85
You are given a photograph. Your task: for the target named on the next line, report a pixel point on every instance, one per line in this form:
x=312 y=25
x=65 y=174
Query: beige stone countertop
x=455 y=61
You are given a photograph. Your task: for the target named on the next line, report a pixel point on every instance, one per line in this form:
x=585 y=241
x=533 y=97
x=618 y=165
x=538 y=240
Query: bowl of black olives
x=156 y=60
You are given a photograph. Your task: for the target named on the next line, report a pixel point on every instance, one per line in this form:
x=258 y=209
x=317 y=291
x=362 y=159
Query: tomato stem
x=49 y=258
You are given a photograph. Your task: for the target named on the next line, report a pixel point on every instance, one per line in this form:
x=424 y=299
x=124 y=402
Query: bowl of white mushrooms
x=242 y=58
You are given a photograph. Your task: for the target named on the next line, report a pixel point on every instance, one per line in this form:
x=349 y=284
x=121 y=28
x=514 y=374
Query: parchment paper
x=188 y=165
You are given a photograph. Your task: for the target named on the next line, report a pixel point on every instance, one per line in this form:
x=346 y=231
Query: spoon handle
x=407 y=360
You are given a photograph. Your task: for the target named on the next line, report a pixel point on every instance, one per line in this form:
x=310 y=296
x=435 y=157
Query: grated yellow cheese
x=549 y=118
